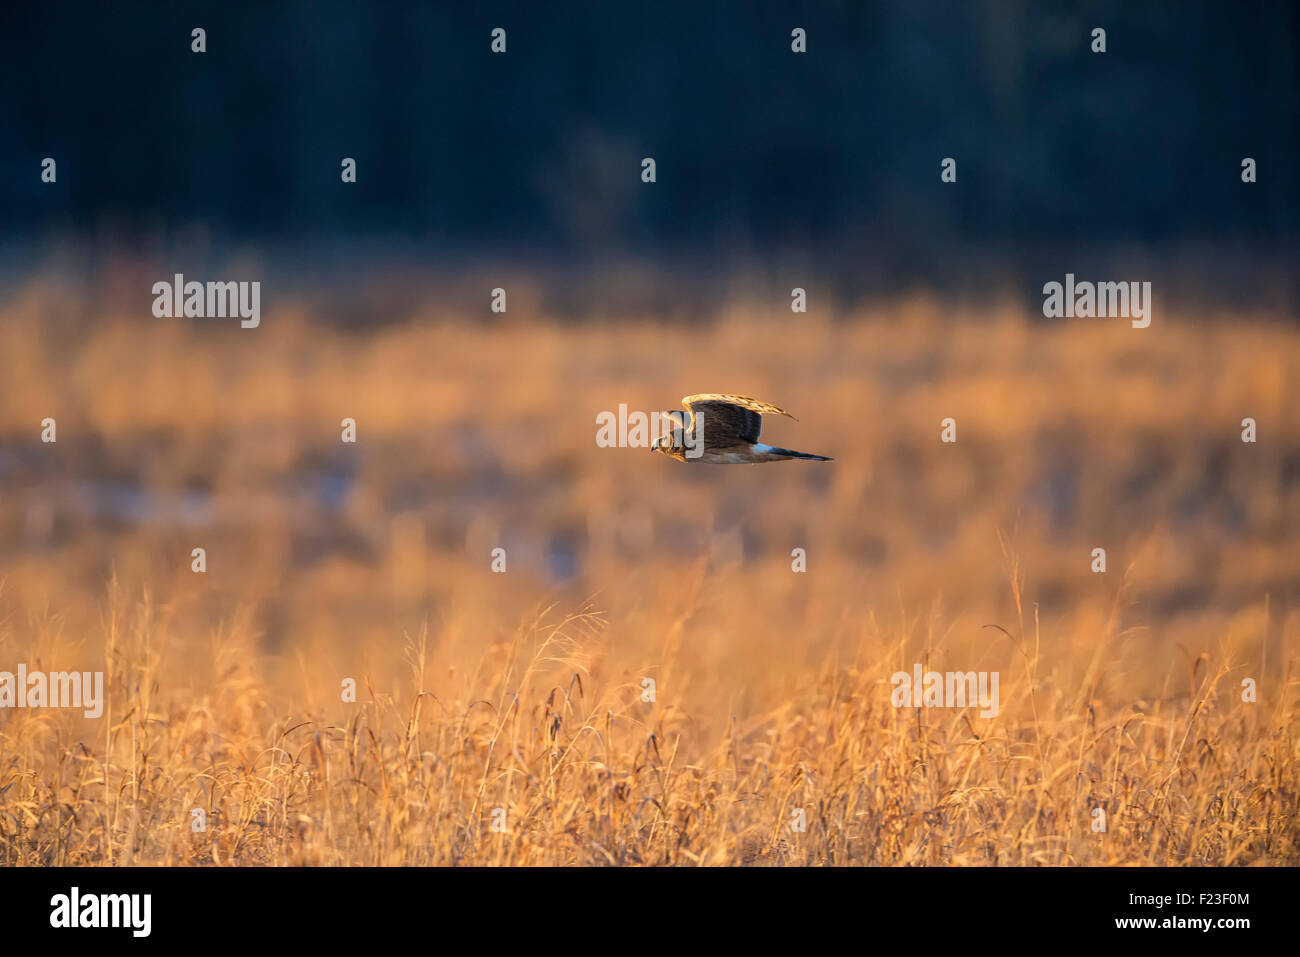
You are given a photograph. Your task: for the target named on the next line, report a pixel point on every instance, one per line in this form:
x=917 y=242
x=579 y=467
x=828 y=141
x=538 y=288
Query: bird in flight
x=723 y=430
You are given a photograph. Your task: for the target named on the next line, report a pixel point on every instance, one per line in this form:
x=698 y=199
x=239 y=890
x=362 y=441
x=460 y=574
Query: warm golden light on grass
x=523 y=691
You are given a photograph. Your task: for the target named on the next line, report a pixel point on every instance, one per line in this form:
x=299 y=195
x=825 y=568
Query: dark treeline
x=833 y=154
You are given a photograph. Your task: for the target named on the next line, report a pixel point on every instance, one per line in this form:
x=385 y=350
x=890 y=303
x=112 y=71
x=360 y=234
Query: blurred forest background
x=814 y=169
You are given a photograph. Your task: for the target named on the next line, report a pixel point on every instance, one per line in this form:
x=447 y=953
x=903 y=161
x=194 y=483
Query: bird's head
x=667 y=443
x=671 y=439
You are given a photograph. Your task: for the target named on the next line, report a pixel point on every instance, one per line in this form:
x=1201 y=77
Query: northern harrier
x=724 y=431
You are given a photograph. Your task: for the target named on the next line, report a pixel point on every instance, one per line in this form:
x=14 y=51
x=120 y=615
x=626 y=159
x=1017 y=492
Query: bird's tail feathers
x=792 y=454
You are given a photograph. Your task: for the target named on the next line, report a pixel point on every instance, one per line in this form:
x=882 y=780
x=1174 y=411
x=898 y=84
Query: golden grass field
x=521 y=691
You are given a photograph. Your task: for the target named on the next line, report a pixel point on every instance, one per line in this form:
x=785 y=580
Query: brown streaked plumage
x=724 y=431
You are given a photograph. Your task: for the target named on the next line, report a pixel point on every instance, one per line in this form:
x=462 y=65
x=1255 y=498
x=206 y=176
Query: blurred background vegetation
x=476 y=430
x=821 y=168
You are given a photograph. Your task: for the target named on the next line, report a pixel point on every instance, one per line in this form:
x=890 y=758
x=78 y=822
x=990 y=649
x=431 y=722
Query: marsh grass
x=522 y=693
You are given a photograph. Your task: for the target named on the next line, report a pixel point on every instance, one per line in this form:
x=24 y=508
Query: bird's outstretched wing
x=677 y=417
x=729 y=420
